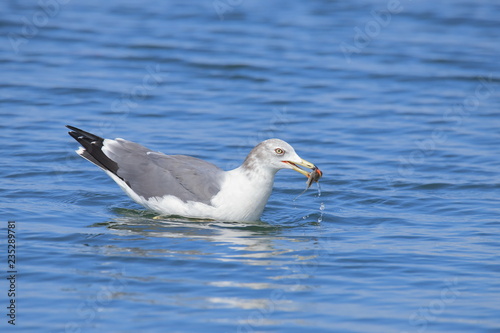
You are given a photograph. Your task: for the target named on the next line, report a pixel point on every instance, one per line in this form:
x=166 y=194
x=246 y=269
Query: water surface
x=399 y=111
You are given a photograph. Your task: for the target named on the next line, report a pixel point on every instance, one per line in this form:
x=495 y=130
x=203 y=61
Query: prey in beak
x=314 y=175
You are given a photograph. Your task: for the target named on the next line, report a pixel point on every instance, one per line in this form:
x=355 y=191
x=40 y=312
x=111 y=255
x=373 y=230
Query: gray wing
x=153 y=174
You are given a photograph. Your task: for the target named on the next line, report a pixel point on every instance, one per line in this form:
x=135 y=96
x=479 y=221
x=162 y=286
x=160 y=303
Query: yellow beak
x=303 y=163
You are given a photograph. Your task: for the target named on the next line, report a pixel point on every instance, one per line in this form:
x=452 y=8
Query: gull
x=186 y=186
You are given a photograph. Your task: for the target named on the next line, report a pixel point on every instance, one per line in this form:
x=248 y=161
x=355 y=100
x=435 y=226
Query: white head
x=275 y=154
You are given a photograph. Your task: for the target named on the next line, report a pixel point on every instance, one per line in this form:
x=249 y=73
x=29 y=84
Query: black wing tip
x=92 y=145
x=78 y=133
x=88 y=140
x=75 y=129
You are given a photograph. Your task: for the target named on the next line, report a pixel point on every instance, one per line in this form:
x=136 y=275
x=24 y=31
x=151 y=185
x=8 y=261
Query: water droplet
x=321 y=211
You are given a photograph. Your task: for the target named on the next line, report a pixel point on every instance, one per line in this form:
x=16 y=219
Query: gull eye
x=279 y=151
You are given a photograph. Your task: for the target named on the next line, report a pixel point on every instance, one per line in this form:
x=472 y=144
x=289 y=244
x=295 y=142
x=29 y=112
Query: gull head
x=274 y=155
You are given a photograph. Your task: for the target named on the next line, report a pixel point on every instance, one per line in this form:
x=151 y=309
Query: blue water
x=396 y=101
